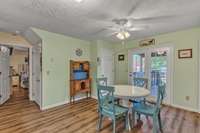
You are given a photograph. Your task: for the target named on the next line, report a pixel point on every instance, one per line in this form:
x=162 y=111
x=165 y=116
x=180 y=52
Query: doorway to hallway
x=20 y=69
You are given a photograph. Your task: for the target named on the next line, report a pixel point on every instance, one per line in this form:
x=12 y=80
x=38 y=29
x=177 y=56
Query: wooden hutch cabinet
x=80 y=81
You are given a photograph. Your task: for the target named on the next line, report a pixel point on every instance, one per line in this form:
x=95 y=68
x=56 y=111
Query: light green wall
x=57 y=50
x=94 y=65
x=185 y=70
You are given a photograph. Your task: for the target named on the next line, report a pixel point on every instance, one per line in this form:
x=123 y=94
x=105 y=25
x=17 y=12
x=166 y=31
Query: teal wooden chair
x=139 y=82
x=110 y=109
x=152 y=110
x=104 y=82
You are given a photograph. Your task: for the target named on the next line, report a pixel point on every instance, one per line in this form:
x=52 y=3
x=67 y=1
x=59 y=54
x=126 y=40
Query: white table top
x=129 y=91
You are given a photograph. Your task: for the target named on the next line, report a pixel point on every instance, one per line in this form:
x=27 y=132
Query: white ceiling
x=88 y=19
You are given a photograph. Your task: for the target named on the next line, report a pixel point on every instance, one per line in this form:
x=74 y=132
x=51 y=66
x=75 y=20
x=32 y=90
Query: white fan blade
x=100 y=31
x=113 y=28
x=104 y=32
x=137 y=28
x=152 y=19
x=112 y=34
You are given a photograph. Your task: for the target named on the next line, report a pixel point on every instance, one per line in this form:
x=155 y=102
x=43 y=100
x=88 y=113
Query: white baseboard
x=54 y=105
x=60 y=103
x=185 y=108
x=95 y=97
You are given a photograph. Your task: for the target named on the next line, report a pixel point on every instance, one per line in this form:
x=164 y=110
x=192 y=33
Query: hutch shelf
x=80 y=81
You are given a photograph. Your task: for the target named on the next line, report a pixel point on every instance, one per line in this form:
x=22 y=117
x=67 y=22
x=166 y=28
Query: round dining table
x=126 y=92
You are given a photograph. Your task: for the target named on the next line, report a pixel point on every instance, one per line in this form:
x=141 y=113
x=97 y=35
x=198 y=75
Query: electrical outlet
x=187 y=98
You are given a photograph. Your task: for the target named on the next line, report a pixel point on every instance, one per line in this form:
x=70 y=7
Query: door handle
x=130 y=74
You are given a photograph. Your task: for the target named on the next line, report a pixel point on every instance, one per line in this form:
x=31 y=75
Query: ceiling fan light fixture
x=123 y=35
x=79 y=1
x=120 y=36
x=126 y=34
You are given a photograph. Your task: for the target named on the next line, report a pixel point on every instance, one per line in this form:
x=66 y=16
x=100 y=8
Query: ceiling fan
x=122 y=28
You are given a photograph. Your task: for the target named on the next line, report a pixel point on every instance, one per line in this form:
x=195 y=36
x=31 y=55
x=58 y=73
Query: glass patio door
x=151 y=63
x=137 y=66
x=158 y=68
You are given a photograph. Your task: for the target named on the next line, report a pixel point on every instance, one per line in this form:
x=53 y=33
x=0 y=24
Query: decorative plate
x=79 y=52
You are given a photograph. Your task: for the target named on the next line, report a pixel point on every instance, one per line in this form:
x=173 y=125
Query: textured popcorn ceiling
x=87 y=20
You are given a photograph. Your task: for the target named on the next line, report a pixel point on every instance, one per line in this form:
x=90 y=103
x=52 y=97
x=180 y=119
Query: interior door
x=36 y=58
x=107 y=65
x=4 y=75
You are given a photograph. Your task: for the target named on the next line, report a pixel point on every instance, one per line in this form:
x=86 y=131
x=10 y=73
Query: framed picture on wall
x=146 y=42
x=121 y=57
x=184 y=53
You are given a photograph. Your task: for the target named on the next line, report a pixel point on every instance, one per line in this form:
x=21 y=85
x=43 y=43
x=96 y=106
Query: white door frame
x=198 y=76
x=130 y=62
x=170 y=65
x=40 y=94
x=5 y=87
x=30 y=65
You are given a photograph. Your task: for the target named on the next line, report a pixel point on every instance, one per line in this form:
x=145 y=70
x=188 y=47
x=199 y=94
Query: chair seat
x=115 y=100
x=136 y=100
x=144 y=108
x=118 y=110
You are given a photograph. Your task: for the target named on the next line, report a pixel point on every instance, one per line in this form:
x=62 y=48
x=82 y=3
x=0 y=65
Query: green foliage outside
x=158 y=63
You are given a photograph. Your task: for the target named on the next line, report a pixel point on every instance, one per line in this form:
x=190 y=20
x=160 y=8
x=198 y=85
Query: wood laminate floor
x=19 y=115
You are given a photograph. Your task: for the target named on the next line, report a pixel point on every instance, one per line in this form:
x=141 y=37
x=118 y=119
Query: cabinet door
x=15 y=80
x=77 y=86
x=87 y=84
